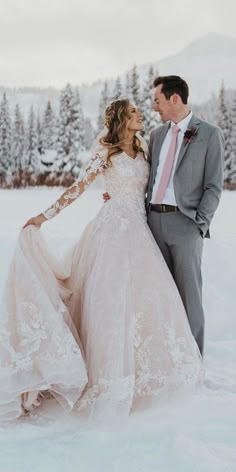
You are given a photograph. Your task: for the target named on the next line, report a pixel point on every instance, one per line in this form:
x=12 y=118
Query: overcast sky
x=51 y=42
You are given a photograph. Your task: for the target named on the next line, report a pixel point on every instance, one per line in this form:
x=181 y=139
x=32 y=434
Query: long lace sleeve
x=96 y=166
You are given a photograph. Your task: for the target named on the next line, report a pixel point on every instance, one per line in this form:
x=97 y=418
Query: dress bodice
x=125 y=181
x=127 y=176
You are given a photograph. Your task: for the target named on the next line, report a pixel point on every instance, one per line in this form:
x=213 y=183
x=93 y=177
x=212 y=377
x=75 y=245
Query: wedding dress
x=117 y=314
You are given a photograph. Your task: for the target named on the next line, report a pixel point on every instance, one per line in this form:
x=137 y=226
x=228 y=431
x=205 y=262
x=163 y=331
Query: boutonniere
x=189 y=134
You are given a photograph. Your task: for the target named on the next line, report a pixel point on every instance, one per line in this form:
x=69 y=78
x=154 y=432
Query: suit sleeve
x=213 y=181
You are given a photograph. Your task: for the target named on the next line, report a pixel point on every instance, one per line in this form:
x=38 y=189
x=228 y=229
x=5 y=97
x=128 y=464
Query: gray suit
x=198 y=183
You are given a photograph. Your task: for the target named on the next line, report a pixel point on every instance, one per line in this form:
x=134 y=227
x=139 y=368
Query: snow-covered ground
x=197 y=434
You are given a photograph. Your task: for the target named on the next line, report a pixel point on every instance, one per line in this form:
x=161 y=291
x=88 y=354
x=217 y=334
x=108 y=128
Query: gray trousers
x=181 y=244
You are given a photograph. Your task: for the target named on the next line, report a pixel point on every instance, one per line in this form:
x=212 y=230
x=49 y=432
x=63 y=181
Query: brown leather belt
x=163 y=208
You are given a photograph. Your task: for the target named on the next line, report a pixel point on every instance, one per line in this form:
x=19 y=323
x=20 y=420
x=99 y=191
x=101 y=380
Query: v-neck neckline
x=129 y=157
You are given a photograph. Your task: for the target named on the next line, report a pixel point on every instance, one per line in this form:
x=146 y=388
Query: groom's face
x=162 y=105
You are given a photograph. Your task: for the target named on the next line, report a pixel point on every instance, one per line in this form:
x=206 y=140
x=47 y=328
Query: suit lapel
x=194 y=122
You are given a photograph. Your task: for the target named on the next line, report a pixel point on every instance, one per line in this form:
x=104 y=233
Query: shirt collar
x=183 y=124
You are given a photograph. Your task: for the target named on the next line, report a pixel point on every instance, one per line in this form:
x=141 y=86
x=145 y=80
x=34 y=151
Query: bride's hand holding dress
x=35 y=221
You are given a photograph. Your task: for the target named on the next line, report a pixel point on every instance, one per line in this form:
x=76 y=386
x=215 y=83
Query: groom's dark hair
x=173 y=84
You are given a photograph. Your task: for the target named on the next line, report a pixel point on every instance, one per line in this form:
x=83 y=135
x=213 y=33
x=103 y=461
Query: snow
x=197 y=433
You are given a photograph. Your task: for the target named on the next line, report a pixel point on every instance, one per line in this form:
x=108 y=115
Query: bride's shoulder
x=102 y=153
x=98 y=151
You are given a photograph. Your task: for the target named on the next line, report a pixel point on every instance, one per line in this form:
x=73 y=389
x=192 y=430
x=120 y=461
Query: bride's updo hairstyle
x=115 y=118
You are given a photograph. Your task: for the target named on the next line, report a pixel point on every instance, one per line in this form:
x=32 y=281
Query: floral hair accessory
x=189 y=134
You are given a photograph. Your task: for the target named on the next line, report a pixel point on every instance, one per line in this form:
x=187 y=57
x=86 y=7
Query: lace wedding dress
x=118 y=311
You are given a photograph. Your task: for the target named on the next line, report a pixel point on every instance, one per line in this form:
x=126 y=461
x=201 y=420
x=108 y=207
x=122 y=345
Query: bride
x=113 y=331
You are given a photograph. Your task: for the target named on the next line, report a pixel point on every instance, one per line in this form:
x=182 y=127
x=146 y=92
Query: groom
x=186 y=181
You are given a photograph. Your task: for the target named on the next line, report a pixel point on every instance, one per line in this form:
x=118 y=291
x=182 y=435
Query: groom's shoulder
x=206 y=126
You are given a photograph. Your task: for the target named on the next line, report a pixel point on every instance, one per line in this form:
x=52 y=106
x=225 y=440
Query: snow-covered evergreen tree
x=78 y=124
x=118 y=90
x=56 y=131
x=150 y=117
x=225 y=123
x=48 y=128
x=77 y=117
x=5 y=138
x=71 y=132
x=135 y=87
x=18 y=143
x=102 y=105
x=64 y=143
x=32 y=154
x=39 y=131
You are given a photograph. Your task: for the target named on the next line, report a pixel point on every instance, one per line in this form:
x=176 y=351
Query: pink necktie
x=167 y=169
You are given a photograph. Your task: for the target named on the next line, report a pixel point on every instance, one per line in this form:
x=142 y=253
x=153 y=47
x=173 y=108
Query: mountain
x=204 y=63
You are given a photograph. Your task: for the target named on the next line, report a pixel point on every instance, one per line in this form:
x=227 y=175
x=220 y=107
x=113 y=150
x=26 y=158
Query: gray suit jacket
x=198 y=179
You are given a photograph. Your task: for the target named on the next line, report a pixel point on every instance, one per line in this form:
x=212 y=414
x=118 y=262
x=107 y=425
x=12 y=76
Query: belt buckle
x=164 y=208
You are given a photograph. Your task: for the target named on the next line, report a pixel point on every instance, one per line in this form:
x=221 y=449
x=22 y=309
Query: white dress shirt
x=169 y=197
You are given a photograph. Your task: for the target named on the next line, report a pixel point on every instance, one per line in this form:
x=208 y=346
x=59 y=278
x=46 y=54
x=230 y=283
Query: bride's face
x=135 y=119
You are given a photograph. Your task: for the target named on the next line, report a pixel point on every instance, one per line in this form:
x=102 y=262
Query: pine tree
x=32 y=155
x=225 y=123
x=150 y=117
x=231 y=176
x=64 y=143
x=5 y=138
x=102 y=105
x=18 y=143
x=135 y=88
x=48 y=128
x=77 y=134
x=56 y=131
x=78 y=124
x=118 y=91
x=71 y=132
x=39 y=132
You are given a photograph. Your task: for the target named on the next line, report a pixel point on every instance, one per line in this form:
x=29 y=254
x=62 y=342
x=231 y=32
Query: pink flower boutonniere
x=189 y=134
